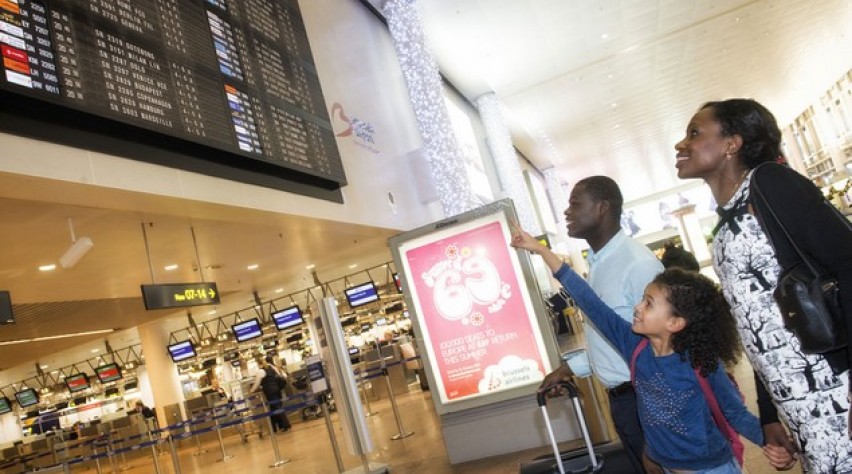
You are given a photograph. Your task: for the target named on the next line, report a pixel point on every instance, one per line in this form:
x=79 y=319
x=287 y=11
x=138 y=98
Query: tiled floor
x=308 y=446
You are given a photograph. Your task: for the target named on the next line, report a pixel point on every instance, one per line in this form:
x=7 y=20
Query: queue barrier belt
x=381 y=370
x=228 y=410
x=105 y=441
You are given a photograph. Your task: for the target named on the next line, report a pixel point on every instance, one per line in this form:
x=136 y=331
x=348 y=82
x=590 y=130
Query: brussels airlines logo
x=464 y=284
x=362 y=132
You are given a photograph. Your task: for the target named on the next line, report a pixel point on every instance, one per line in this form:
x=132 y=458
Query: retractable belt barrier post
x=173 y=451
x=225 y=456
x=402 y=433
x=326 y=413
x=278 y=460
x=199 y=450
x=362 y=380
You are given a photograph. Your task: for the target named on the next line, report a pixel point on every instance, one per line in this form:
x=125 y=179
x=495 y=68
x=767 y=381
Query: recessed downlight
x=47 y=268
x=170 y=267
x=253 y=266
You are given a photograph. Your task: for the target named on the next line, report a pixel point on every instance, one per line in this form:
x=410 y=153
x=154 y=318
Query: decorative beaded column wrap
x=427 y=98
x=558 y=198
x=506 y=161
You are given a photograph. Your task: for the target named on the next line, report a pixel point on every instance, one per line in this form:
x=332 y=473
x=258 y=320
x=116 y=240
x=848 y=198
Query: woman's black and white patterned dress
x=810 y=398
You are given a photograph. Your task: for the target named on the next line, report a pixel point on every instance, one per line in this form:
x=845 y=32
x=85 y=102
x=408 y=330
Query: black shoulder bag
x=809 y=298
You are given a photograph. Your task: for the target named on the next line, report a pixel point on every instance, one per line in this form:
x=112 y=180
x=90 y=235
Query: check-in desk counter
x=372 y=361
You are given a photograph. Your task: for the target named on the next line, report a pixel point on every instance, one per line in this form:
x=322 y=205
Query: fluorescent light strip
x=57 y=336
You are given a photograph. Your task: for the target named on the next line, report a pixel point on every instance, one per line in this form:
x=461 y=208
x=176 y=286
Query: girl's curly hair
x=710 y=333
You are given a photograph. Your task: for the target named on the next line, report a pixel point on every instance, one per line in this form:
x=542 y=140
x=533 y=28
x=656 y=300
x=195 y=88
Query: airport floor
x=308 y=447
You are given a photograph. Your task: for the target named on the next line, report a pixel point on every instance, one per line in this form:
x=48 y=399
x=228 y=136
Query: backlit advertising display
x=473 y=309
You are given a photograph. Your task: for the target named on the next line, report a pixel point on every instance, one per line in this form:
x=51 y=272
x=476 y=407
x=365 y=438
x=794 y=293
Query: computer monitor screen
x=235 y=363
x=247 y=330
x=182 y=350
x=5 y=405
x=270 y=343
x=365 y=327
x=26 y=397
x=77 y=382
x=288 y=318
x=381 y=321
x=108 y=373
x=361 y=294
x=111 y=391
x=295 y=337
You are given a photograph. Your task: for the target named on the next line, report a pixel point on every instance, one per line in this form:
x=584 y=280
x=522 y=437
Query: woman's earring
x=728 y=155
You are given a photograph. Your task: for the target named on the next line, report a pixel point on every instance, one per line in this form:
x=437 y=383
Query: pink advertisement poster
x=476 y=321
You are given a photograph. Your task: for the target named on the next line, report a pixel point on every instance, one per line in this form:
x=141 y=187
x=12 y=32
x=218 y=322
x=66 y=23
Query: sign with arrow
x=176 y=295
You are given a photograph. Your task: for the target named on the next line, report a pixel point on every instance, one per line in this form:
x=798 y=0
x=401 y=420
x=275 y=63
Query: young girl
x=688 y=326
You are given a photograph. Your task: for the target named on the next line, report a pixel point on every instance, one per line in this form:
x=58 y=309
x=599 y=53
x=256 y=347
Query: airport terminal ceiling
x=607 y=87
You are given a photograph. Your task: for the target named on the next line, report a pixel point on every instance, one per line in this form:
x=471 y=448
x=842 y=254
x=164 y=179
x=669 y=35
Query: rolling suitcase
x=573 y=462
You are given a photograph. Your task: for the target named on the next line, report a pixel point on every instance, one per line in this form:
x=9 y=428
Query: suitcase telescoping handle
x=581 y=420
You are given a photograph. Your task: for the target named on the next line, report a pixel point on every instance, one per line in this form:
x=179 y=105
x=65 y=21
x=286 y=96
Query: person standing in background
x=267 y=379
x=619 y=270
x=732 y=144
x=676 y=256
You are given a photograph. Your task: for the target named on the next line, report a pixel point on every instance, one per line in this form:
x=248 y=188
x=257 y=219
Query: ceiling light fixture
x=171 y=267
x=57 y=336
x=253 y=266
x=47 y=268
x=79 y=248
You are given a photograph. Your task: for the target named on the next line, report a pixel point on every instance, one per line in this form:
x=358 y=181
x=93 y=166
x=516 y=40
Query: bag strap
x=642 y=344
x=727 y=430
x=758 y=193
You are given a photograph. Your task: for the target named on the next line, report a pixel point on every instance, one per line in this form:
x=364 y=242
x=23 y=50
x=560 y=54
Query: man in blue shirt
x=619 y=270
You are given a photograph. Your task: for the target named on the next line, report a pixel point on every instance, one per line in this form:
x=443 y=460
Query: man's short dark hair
x=604 y=188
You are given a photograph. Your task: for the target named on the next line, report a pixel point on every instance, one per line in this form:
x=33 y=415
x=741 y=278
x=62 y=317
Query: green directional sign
x=176 y=295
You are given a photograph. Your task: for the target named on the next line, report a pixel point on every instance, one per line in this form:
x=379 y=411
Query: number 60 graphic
x=456 y=290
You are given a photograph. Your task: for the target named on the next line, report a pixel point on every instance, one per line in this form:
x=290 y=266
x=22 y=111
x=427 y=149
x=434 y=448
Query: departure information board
x=236 y=75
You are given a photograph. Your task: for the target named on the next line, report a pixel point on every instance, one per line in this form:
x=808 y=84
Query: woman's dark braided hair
x=755 y=124
x=710 y=333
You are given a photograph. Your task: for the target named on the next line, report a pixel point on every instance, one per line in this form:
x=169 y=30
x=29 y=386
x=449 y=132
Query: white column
x=506 y=161
x=425 y=91
x=162 y=373
x=691 y=233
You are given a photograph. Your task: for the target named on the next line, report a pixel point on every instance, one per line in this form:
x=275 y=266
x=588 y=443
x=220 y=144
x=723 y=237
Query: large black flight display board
x=235 y=75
